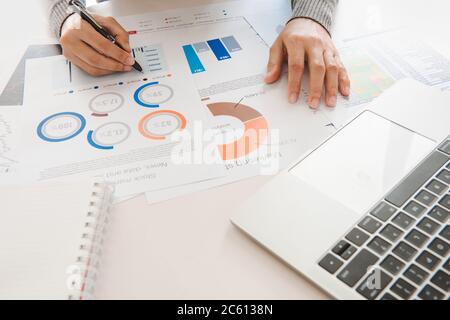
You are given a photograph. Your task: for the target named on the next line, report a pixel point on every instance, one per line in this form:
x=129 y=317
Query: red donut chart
x=255 y=129
x=165 y=122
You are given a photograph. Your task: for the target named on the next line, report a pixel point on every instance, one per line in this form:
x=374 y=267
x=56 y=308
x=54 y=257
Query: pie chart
x=255 y=129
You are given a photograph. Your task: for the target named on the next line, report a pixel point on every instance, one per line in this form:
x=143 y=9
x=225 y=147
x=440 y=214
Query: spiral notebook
x=51 y=238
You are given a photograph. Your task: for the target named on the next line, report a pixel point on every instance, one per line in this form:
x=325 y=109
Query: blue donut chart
x=41 y=126
x=150 y=104
x=96 y=145
x=139 y=101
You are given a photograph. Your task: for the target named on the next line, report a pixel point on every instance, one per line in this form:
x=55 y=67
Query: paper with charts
x=117 y=127
x=376 y=61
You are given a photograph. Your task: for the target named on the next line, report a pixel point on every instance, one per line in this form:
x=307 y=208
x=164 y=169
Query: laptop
x=366 y=214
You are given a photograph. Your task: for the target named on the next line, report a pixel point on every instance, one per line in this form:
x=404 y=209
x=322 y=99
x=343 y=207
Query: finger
x=97 y=60
x=275 y=64
x=104 y=46
x=316 y=76
x=117 y=30
x=93 y=71
x=331 y=78
x=296 y=63
x=343 y=78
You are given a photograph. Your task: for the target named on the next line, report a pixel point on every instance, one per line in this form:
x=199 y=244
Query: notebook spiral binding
x=83 y=273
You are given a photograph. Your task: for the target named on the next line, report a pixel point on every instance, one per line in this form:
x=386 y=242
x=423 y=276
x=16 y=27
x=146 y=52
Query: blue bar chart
x=221 y=48
x=194 y=62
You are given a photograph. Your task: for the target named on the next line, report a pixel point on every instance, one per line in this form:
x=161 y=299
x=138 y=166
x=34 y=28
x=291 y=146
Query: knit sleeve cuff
x=321 y=11
x=59 y=13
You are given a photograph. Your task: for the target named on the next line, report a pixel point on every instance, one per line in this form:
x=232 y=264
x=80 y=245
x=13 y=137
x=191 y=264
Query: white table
x=186 y=248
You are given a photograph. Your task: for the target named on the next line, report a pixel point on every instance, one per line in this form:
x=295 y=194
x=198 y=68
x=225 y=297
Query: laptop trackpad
x=363 y=161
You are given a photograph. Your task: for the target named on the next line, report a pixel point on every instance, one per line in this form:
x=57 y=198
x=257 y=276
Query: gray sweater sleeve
x=321 y=11
x=59 y=11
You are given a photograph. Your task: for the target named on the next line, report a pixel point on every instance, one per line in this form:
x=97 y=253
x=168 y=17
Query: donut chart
x=108 y=135
x=105 y=103
x=61 y=127
x=161 y=124
x=255 y=129
x=153 y=94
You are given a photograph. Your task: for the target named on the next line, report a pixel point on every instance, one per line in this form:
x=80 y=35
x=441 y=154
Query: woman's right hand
x=93 y=53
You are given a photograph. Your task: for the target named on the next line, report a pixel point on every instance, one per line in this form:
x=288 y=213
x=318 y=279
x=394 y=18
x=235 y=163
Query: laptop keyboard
x=401 y=248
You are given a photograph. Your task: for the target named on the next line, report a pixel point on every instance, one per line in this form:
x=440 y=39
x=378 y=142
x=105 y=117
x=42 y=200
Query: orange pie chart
x=255 y=129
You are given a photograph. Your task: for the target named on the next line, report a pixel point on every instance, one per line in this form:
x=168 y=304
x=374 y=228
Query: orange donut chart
x=255 y=129
x=164 y=132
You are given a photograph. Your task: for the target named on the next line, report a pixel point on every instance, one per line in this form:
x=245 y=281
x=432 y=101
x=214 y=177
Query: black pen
x=85 y=15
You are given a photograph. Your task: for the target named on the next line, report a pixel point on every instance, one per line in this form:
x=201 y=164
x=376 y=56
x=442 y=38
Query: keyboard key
x=415 y=209
x=439 y=246
x=441 y=280
x=347 y=254
x=341 y=247
x=369 y=224
x=445 y=147
x=383 y=211
x=404 y=251
x=344 y=249
x=439 y=213
x=417 y=238
x=403 y=221
x=425 y=198
x=357 y=237
x=445 y=233
x=403 y=289
x=444 y=175
x=388 y=297
x=417 y=178
x=428 y=260
x=371 y=287
x=445 y=202
x=416 y=274
x=357 y=267
x=392 y=265
x=379 y=245
x=447 y=265
x=437 y=187
x=428 y=226
x=330 y=263
x=391 y=233
x=430 y=293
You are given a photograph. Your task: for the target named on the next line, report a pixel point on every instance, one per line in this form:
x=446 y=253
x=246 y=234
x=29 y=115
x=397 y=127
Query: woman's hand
x=306 y=41
x=90 y=51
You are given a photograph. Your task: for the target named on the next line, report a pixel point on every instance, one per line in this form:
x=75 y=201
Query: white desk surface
x=186 y=248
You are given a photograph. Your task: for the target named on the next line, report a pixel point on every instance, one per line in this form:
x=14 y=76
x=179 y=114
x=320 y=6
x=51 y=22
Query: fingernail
x=127 y=68
x=293 y=97
x=130 y=61
x=314 y=103
x=346 y=90
x=268 y=76
x=332 y=101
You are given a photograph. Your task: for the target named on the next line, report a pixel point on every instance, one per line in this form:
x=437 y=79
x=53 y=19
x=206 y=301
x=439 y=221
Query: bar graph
x=221 y=48
x=194 y=62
